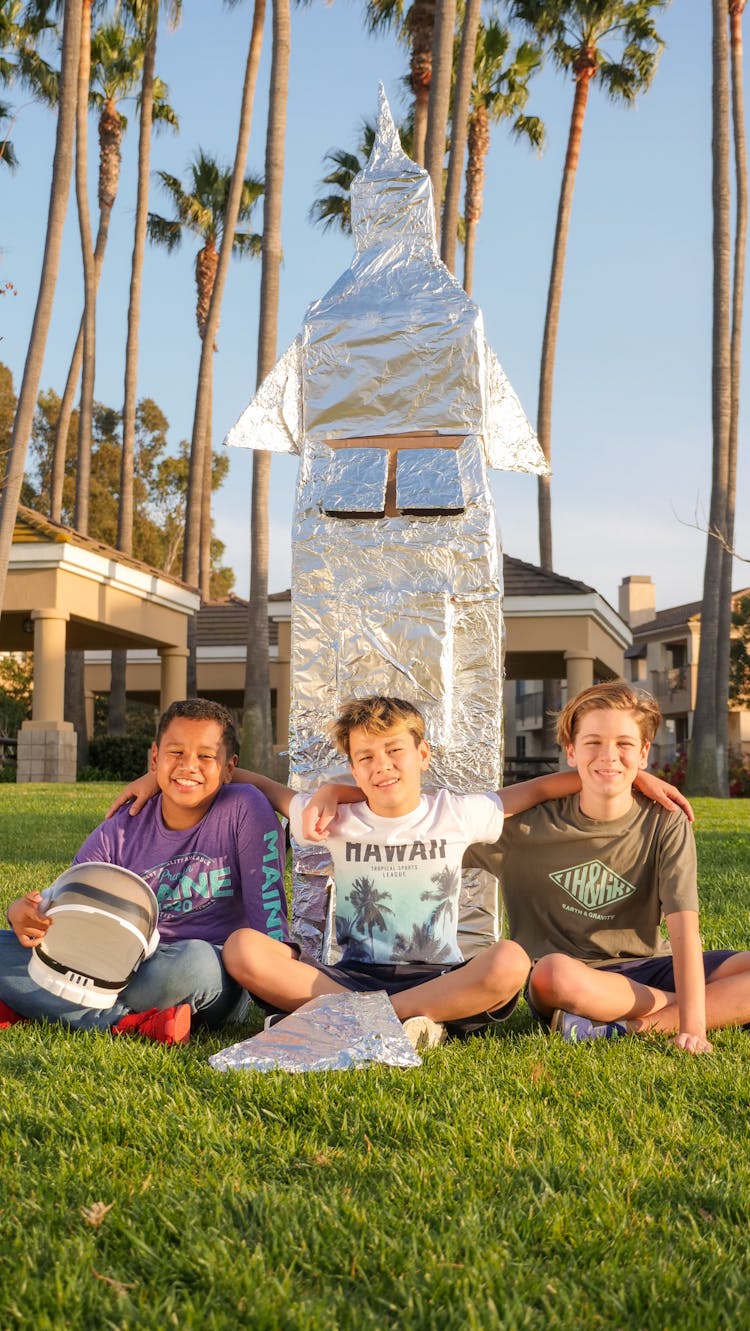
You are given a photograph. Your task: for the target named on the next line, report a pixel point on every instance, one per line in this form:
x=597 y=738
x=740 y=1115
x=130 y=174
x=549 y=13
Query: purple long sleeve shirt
x=225 y=873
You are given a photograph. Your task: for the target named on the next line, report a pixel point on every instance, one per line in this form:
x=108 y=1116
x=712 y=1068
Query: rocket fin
x=273 y=419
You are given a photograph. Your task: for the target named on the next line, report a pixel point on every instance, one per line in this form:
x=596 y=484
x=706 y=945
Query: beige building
x=664 y=659
x=67 y=591
x=556 y=628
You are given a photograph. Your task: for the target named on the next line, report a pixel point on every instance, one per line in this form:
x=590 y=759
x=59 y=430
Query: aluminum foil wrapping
x=397 y=407
x=331 y=1033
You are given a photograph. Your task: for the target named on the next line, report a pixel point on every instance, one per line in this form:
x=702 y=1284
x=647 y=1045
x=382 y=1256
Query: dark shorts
x=656 y=972
x=363 y=978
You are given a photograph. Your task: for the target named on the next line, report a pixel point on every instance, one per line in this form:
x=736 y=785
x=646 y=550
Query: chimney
x=637 y=600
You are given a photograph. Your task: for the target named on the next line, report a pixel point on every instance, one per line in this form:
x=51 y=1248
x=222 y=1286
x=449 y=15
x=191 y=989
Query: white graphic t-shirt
x=398 y=879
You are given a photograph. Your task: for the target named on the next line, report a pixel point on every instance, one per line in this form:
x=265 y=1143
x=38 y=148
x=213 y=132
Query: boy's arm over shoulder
x=556 y=785
x=525 y=794
x=140 y=791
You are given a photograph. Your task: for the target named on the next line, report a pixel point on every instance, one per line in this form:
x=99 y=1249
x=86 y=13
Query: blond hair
x=376 y=715
x=615 y=696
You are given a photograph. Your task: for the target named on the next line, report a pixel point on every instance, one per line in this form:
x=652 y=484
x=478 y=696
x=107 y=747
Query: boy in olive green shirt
x=588 y=879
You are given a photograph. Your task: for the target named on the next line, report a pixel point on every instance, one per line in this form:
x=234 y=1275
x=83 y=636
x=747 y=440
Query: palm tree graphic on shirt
x=422 y=946
x=445 y=895
x=368 y=902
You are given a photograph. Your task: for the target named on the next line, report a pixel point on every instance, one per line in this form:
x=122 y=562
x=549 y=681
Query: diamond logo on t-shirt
x=592 y=885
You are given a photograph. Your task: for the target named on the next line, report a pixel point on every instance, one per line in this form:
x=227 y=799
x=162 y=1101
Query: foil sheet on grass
x=331 y=1033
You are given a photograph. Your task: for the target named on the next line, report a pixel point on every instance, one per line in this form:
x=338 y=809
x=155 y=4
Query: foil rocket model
x=397 y=408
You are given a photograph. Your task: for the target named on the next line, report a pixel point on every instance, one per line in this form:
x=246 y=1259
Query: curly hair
x=202 y=709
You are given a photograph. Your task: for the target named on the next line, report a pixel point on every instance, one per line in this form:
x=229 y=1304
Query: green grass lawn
x=512 y=1181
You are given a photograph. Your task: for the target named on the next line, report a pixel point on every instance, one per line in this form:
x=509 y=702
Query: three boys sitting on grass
x=587 y=879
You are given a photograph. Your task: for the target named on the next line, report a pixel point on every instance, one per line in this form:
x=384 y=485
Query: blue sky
x=631 y=415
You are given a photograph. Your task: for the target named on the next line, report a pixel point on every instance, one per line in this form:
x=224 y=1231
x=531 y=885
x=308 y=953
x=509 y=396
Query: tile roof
x=34 y=528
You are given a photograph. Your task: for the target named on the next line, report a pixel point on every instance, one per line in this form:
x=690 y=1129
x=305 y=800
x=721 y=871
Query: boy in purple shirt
x=213 y=854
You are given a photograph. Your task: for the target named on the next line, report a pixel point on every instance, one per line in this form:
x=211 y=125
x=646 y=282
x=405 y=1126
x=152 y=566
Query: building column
x=47 y=744
x=173 y=685
x=579 y=672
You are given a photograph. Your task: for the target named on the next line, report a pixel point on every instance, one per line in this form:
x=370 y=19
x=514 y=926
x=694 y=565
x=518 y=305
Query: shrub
x=673 y=772
x=115 y=758
x=739 y=776
x=739 y=773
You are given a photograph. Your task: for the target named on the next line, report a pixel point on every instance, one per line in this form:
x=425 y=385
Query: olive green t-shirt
x=592 y=890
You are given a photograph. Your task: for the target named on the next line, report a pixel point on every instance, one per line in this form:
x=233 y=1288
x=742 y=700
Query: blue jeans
x=186 y=972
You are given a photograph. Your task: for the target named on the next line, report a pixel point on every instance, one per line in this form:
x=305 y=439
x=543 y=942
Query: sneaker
x=273 y=1019
x=424 y=1033
x=170 y=1026
x=8 y=1017
x=578 y=1029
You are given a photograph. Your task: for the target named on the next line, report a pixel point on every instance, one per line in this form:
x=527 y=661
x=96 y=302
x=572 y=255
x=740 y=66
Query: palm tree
x=724 y=631
x=438 y=110
x=422 y=944
x=145 y=15
x=199 y=518
x=85 y=414
x=116 y=68
x=201 y=210
x=447 y=883
x=578 y=35
x=59 y=191
x=416 y=29
x=257 y=738
x=461 y=99
x=500 y=92
x=707 y=765
x=371 y=911
x=7 y=151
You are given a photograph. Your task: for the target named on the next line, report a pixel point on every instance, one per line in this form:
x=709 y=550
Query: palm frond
x=164 y=232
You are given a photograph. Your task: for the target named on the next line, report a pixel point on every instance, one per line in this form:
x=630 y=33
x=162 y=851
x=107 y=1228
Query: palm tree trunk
x=117 y=708
x=86 y=409
x=479 y=145
x=736 y=8
x=202 y=413
x=421 y=26
x=110 y=135
x=584 y=69
x=257 y=738
x=62 y=168
x=125 y=518
x=461 y=102
x=205 y=543
x=440 y=98
x=707 y=766
x=470 y=240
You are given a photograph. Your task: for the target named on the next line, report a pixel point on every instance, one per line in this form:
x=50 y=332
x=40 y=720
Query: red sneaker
x=8 y=1017
x=170 y=1026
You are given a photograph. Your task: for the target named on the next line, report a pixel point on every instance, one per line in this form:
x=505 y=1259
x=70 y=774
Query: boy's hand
x=27 y=921
x=669 y=796
x=693 y=1044
x=319 y=813
x=139 y=791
